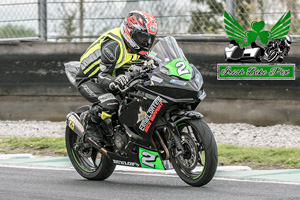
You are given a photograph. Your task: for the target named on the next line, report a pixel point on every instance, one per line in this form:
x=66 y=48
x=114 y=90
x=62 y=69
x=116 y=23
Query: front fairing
x=172 y=86
x=174 y=75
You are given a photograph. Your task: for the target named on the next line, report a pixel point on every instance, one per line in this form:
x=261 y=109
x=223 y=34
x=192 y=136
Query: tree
x=68 y=27
x=243 y=13
x=10 y=31
x=206 y=21
x=293 y=6
x=81 y=13
x=210 y=20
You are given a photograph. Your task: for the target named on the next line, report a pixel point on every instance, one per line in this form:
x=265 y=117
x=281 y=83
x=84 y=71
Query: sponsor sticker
x=71 y=125
x=151 y=114
x=178 y=82
x=127 y=163
x=156 y=79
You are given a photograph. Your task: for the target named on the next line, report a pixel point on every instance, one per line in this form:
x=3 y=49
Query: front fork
x=172 y=126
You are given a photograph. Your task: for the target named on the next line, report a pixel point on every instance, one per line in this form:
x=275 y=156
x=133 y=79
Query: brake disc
x=188 y=159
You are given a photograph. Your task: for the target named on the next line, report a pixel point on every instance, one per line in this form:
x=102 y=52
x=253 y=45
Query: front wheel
x=198 y=163
x=89 y=162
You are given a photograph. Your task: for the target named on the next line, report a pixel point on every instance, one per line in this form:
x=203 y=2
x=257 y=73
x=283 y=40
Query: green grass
x=255 y=157
x=34 y=145
x=259 y=157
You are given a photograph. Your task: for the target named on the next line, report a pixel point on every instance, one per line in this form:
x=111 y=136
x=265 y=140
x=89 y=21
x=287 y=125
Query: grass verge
x=34 y=145
x=259 y=157
x=255 y=157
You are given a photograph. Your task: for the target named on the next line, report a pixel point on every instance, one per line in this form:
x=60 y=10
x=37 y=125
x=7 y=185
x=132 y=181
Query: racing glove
x=121 y=81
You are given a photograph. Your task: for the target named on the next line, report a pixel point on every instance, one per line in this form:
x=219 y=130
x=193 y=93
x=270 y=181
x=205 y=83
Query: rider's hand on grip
x=112 y=86
x=121 y=80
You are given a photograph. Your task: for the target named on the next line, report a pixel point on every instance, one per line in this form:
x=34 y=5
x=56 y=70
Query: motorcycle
x=234 y=52
x=156 y=125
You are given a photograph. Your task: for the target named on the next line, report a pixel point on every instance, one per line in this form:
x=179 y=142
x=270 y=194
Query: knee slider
x=108 y=103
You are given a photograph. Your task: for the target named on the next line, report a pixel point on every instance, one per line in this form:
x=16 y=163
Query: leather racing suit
x=99 y=65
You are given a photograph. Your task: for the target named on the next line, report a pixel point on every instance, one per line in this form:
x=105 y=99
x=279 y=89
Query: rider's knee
x=108 y=103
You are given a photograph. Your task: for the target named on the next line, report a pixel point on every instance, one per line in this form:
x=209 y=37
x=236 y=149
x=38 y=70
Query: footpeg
x=93 y=143
x=97 y=146
x=81 y=146
x=76 y=147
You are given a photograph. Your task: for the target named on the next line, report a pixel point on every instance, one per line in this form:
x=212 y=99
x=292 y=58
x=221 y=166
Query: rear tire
x=90 y=163
x=205 y=144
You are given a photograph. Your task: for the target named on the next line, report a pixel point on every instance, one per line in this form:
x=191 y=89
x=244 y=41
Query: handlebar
x=134 y=75
x=117 y=87
x=131 y=77
x=122 y=90
x=127 y=86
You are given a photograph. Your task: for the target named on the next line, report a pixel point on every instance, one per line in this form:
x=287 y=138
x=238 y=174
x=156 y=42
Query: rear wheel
x=90 y=163
x=272 y=56
x=198 y=163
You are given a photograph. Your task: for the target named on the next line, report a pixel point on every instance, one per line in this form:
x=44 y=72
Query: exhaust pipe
x=74 y=124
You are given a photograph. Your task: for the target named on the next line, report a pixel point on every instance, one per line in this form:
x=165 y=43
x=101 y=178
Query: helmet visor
x=144 y=40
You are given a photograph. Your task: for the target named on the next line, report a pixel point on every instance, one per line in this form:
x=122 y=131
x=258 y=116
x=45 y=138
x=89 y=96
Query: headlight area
x=198 y=79
x=201 y=94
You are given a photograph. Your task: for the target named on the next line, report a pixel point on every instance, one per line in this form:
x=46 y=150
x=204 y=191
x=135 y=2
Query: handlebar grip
x=133 y=74
x=113 y=86
x=120 y=89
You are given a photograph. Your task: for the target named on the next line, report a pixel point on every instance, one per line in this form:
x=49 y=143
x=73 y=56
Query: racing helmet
x=288 y=40
x=139 y=31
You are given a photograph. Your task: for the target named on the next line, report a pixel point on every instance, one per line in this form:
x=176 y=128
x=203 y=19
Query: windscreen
x=167 y=50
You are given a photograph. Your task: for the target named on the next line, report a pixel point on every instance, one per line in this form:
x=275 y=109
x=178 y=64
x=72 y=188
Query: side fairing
x=150 y=115
x=141 y=114
x=150 y=159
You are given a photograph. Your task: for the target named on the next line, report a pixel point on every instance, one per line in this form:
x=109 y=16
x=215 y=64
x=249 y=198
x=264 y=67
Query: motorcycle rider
x=101 y=68
x=276 y=49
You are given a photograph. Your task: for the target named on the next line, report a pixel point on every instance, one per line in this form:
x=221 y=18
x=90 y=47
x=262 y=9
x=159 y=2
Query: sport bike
x=156 y=125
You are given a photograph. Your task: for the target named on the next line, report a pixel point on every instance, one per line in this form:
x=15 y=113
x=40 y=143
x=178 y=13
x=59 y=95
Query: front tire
x=196 y=169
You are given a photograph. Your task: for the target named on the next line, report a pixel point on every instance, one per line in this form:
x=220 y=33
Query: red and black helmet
x=139 y=31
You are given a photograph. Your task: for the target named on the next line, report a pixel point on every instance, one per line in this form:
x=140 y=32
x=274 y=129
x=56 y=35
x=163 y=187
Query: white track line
x=256 y=181
x=148 y=174
x=35 y=167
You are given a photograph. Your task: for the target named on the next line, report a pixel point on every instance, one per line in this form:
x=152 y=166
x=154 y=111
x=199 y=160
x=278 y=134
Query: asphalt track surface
x=20 y=183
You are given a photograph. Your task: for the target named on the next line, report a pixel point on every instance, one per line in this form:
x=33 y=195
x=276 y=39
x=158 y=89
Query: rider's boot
x=90 y=120
x=100 y=114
